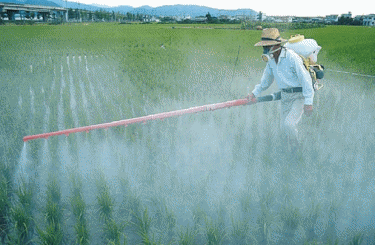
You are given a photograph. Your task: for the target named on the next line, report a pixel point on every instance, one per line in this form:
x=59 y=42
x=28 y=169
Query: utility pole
x=66 y=12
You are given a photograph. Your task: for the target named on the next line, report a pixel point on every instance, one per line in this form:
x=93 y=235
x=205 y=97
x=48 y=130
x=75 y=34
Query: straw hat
x=270 y=36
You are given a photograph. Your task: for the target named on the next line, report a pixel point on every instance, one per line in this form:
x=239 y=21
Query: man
x=287 y=69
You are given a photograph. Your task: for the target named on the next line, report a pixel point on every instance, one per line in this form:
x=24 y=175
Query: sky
x=269 y=7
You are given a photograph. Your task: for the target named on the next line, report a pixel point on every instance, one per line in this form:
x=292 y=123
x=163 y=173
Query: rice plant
x=21 y=214
x=245 y=201
x=53 y=213
x=53 y=189
x=165 y=219
x=241 y=231
x=113 y=232
x=187 y=237
x=357 y=239
x=24 y=194
x=215 y=233
x=291 y=216
x=78 y=206
x=314 y=242
x=333 y=212
x=170 y=219
x=198 y=215
x=79 y=209
x=82 y=233
x=4 y=208
x=267 y=221
x=104 y=199
x=53 y=233
x=22 y=224
x=311 y=219
x=143 y=225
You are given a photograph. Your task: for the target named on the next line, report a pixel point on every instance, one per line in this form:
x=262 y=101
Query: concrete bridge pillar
x=12 y=14
x=62 y=15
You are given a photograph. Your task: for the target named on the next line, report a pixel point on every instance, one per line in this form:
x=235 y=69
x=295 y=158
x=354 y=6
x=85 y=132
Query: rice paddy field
x=211 y=178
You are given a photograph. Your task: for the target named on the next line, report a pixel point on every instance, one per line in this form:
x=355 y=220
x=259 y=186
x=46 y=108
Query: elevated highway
x=11 y=9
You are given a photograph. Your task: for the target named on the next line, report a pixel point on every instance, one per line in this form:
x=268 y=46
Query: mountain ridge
x=165 y=10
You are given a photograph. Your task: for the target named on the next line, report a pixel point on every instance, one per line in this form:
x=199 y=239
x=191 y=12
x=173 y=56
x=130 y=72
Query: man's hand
x=251 y=98
x=308 y=109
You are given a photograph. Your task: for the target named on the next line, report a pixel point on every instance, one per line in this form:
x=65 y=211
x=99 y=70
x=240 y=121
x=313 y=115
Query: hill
x=183 y=10
x=168 y=10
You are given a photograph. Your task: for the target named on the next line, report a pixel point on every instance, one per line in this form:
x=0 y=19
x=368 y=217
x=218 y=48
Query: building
x=14 y=11
x=302 y=19
x=279 y=19
x=317 y=20
x=200 y=19
x=330 y=19
x=241 y=17
x=369 y=20
x=149 y=18
x=348 y=15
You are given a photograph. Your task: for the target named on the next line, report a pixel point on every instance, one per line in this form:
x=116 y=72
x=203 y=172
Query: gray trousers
x=292 y=105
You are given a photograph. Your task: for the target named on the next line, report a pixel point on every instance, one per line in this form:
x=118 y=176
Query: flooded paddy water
x=210 y=178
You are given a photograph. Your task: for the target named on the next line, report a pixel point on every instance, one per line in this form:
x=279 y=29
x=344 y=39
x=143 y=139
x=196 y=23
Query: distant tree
x=71 y=14
x=45 y=16
x=167 y=20
x=358 y=22
x=129 y=16
x=27 y=15
x=139 y=17
x=84 y=15
x=345 y=21
x=260 y=16
x=11 y=14
x=96 y=15
x=113 y=16
x=209 y=17
x=77 y=14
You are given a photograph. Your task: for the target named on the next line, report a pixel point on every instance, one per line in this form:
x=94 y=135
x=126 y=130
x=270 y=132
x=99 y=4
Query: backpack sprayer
x=307 y=49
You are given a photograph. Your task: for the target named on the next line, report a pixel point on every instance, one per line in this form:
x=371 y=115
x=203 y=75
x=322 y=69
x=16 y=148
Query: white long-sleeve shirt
x=288 y=72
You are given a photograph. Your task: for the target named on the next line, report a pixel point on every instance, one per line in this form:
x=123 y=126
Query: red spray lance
x=160 y=116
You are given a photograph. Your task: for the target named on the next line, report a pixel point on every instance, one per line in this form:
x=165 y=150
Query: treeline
x=83 y=15
x=254 y=25
x=214 y=21
x=350 y=21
